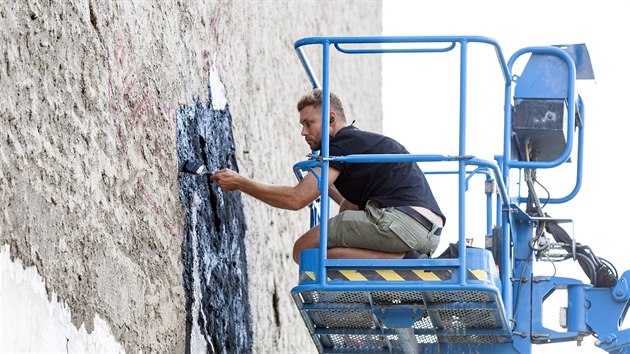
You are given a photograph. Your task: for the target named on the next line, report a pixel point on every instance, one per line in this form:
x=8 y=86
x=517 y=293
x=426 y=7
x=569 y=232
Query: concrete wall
x=89 y=178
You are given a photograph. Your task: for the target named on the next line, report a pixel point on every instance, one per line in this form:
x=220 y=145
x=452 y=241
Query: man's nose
x=303 y=132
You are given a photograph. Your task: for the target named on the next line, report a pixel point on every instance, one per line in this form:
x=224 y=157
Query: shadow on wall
x=213 y=251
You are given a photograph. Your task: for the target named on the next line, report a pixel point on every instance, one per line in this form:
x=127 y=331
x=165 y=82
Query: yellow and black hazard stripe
x=392 y=275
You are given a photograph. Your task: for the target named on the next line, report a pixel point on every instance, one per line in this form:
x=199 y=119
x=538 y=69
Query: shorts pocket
x=378 y=216
x=412 y=237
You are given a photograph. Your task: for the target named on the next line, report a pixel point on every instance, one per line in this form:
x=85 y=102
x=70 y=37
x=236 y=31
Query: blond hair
x=314 y=98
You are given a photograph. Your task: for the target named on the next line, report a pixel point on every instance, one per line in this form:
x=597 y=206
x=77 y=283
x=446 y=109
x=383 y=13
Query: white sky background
x=421 y=110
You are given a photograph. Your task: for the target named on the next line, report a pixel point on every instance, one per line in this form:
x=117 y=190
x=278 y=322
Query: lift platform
x=483 y=300
x=376 y=307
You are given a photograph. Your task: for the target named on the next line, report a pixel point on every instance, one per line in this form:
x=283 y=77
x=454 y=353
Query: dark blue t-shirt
x=389 y=184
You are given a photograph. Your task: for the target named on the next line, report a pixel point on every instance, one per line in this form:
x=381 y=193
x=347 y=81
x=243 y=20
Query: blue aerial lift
x=483 y=300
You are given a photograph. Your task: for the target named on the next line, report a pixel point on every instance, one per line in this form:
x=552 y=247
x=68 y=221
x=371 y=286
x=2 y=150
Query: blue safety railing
x=451 y=42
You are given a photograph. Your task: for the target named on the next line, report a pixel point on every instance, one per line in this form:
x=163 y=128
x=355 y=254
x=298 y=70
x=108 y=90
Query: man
x=386 y=210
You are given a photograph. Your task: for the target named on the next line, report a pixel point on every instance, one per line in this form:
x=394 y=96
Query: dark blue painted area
x=213 y=251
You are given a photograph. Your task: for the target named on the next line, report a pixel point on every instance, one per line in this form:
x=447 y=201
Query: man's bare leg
x=311 y=240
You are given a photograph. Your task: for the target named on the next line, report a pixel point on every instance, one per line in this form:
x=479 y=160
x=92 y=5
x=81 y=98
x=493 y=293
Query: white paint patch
x=217 y=89
x=198 y=343
x=30 y=323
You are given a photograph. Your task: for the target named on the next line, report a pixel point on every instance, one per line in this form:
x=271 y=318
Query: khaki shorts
x=383 y=229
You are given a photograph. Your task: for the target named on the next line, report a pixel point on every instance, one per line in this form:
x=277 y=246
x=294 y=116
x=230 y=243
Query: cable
x=546 y=190
x=533 y=204
x=518 y=291
x=599 y=271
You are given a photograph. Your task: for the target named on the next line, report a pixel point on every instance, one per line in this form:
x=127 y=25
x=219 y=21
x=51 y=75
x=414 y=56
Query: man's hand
x=227 y=179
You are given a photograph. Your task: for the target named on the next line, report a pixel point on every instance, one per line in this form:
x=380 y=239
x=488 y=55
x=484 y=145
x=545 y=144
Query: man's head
x=310 y=108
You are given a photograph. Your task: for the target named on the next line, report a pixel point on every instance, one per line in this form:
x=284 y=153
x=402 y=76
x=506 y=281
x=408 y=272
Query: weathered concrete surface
x=88 y=161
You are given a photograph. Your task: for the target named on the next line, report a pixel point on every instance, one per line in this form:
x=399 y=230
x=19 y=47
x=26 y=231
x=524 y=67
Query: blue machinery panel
x=486 y=300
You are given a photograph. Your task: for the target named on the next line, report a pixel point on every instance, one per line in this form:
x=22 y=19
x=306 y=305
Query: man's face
x=311 y=121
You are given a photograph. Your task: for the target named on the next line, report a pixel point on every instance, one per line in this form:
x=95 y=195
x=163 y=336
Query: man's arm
x=334 y=194
x=339 y=199
x=346 y=205
x=285 y=197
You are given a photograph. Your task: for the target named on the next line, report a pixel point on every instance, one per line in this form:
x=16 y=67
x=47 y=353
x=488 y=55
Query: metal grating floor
x=372 y=321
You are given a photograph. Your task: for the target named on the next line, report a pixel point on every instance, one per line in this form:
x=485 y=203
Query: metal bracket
x=319 y=158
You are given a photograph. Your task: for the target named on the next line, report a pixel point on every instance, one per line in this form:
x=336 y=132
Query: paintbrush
x=196 y=168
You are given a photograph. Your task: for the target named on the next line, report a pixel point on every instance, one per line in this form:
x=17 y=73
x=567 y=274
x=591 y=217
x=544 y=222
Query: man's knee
x=296 y=251
x=309 y=240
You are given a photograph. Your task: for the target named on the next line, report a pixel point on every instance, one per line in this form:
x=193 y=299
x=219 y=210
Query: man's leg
x=311 y=240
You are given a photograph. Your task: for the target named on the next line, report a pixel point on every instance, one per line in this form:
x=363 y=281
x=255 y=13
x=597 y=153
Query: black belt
x=428 y=224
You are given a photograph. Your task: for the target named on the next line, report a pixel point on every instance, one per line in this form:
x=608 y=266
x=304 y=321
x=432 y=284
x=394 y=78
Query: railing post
x=323 y=182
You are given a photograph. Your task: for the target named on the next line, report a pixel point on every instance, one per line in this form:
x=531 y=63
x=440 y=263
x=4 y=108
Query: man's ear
x=332 y=117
